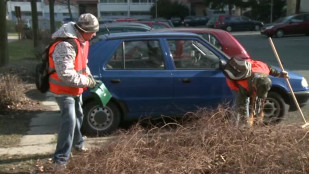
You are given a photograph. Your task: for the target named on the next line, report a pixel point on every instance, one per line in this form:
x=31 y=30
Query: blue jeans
x=69 y=135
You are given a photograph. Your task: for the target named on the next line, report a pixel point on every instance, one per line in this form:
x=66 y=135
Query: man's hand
x=91 y=82
x=284 y=74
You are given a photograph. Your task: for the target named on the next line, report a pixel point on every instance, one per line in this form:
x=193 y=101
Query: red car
x=221 y=39
x=289 y=25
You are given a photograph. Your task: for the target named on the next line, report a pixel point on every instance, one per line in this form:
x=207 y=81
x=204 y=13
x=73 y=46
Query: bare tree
x=4 y=53
x=297 y=9
x=35 y=27
x=68 y=4
x=52 y=16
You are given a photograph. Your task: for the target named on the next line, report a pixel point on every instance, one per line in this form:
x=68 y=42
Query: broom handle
x=286 y=79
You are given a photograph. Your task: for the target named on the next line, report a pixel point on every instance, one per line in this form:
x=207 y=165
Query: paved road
x=12 y=38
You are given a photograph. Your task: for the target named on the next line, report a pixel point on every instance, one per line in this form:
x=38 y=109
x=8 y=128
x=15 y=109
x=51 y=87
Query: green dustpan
x=102 y=92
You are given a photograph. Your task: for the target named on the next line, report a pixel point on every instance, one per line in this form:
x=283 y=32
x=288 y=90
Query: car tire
x=274 y=108
x=280 y=33
x=229 y=28
x=257 y=28
x=100 y=120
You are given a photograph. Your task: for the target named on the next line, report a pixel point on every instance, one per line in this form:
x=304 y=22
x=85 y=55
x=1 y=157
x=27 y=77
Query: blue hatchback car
x=151 y=74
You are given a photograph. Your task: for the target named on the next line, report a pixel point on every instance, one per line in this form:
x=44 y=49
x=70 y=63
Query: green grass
x=12 y=34
x=21 y=49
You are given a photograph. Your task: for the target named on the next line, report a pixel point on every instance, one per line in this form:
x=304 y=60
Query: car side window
x=141 y=54
x=243 y=18
x=212 y=39
x=306 y=18
x=298 y=19
x=190 y=54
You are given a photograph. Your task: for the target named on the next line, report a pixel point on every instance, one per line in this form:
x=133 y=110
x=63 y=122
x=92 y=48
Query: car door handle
x=115 y=80
x=186 y=80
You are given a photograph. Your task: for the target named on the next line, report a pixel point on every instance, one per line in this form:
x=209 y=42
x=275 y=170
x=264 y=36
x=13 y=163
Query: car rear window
x=139 y=54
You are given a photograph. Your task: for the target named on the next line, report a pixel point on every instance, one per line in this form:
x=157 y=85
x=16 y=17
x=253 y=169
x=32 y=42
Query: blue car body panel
x=148 y=93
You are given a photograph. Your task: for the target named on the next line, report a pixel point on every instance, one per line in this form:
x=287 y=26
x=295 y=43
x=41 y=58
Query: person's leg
x=241 y=105
x=66 y=131
x=78 y=142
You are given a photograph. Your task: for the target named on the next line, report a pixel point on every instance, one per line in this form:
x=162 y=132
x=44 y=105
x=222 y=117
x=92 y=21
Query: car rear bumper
x=302 y=99
x=267 y=32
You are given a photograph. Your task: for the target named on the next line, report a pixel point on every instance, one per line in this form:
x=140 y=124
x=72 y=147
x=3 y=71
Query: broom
x=288 y=82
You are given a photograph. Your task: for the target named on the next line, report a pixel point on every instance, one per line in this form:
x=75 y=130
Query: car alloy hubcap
x=100 y=118
x=229 y=28
x=271 y=108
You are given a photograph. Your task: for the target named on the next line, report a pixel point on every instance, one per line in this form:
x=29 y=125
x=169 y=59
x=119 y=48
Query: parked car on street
x=151 y=74
x=215 y=19
x=119 y=27
x=166 y=21
x=155 y=24
x=237 y=23
x=176 y=21
x=195 y=21
x=289 y=25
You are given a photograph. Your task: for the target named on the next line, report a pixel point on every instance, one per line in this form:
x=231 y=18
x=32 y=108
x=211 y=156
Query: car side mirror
x=222 y=64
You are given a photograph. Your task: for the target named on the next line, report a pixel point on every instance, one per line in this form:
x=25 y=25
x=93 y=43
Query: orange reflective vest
x=57 y=86
x=256 y=67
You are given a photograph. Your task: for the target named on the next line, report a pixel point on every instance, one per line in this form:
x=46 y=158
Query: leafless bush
x=208 y=143
x=11 y=90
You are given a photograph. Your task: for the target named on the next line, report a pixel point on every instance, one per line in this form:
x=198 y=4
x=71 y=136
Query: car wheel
x=100 y=120
x=228 y=28
x=257 y=28
x=274 y=108
x=280 y=33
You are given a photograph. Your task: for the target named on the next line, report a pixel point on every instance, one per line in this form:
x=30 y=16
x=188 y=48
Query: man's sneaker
x=82 y=149
x=59 y=167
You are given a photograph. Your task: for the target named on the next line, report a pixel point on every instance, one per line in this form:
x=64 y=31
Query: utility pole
x=271 y=11
x=156 y=9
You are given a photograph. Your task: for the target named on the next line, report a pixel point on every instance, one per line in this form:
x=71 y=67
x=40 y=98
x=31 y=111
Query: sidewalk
x=41 y=138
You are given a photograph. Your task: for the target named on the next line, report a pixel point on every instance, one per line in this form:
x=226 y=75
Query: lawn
x=21 y=49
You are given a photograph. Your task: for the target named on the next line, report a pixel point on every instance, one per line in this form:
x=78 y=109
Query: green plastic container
x=102 y=92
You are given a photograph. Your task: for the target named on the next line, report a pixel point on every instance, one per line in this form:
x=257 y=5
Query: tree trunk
x=35 y=28
x=4 y=53
x=69 y=8
x=297 y=9
x=52 y=16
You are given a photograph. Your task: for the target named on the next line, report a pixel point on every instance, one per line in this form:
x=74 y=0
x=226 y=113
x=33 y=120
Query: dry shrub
x=11 y=90
x=209 y=143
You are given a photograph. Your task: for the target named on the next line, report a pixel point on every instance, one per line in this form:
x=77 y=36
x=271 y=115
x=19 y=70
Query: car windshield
x=284 y=19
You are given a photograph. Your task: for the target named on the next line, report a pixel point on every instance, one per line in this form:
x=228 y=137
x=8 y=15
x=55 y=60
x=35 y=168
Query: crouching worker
x=68 y=60
x=249 y=81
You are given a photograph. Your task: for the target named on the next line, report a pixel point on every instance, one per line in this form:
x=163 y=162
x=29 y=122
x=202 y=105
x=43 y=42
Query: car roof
x=195 y=30
x=124 y=24
x=147 y=34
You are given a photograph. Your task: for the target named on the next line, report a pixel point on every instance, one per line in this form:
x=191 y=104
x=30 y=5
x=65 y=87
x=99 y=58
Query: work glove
x=284 y=74
x=91 y=82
